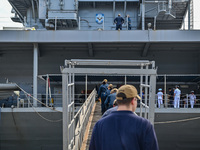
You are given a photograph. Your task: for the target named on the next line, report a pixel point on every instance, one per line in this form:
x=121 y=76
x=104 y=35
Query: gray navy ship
x=38 y=63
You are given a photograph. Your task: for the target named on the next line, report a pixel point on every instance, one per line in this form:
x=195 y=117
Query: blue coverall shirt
x=102 y=91
x=119 y=20
x=122 y=130
x=110 y=99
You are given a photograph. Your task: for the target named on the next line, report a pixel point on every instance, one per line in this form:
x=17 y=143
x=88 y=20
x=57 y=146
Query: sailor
x=177 y=94
x=119 y=21
x=129 y=22
x=102 y=93
x=160 y=97
x=110 y=99
x=110 y=87
x=122 y=129
x=114 y=108
x=192 y=99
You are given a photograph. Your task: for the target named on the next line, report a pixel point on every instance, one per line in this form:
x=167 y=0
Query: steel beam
x=35 y=73
x=113 y=9
x=189 y=14
x=47 y=87
x=152 y=92
x=143 y=14
x=165 y=90
x=86 y=82
x=141 y=82
x=110 y=71
x=146 y=92
x=125 y=5
x=65 y=111
x=145 y=50
x=92 y=62
x=33 y=10
x=90 y=48
x=138 y=36
x=94 y=5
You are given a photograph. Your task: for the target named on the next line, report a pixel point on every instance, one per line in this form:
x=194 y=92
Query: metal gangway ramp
x=74 y=125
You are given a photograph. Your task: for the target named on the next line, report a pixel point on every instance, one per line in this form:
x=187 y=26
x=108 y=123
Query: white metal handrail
x=144 y=105
x=83 y=116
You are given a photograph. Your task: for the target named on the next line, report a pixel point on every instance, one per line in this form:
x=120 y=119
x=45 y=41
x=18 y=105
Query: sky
x=196 y=14
x=5 y=14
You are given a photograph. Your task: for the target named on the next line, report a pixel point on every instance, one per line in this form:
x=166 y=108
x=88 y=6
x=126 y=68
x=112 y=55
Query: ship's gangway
x=73 y=131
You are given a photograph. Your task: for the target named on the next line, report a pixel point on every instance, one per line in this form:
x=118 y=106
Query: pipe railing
x=25 y=101
x=88 y=23
x=82 y=117
x=184 y=101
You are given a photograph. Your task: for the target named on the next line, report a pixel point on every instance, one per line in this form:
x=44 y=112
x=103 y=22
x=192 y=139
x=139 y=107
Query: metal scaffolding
x=142 y=68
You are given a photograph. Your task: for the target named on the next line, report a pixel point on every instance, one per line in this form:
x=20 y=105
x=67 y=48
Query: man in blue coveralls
x=122 y=130
x=102 y=93
x=129 y=22
x=119 y=21
x=110 y=98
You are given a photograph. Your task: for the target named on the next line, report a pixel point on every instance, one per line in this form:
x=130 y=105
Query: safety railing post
x=146 y=90
x=70 y=92
x=79 y=23
x=28 y=101
x=125 y=79
x=152 y=92
x=165 y=89
x=73 y=81
x=155 y=23
x=65 y=111
x=141 y=82
x=143 y=14
x=17 y=103
x=55 y=23
x=127 y=22
x=103 y=23
x=86 y=86
x=47 y=89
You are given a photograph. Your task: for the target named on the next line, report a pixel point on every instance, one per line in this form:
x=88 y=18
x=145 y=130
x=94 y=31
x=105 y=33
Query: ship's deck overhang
x=174 y=51
x=137 y=36
x=101 y=41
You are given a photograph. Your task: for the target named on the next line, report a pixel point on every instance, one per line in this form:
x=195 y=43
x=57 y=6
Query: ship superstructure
x=99 y=14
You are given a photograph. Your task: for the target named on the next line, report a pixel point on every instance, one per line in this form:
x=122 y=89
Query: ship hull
x=24 y=129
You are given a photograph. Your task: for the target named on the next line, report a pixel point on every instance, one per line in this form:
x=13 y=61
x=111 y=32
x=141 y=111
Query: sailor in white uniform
x=192 y=98
x=177 y=94
x=160 y=97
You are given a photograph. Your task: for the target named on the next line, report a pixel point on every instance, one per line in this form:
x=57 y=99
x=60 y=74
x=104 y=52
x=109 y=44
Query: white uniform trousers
x=192 y=103
x=176 y=101
x=160 y=102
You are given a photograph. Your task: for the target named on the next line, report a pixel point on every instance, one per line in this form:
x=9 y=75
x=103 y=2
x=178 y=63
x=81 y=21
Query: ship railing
x=25 y=101
x=169 y=103
x=107 y=23
x=81 y=118
x=184 y=101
